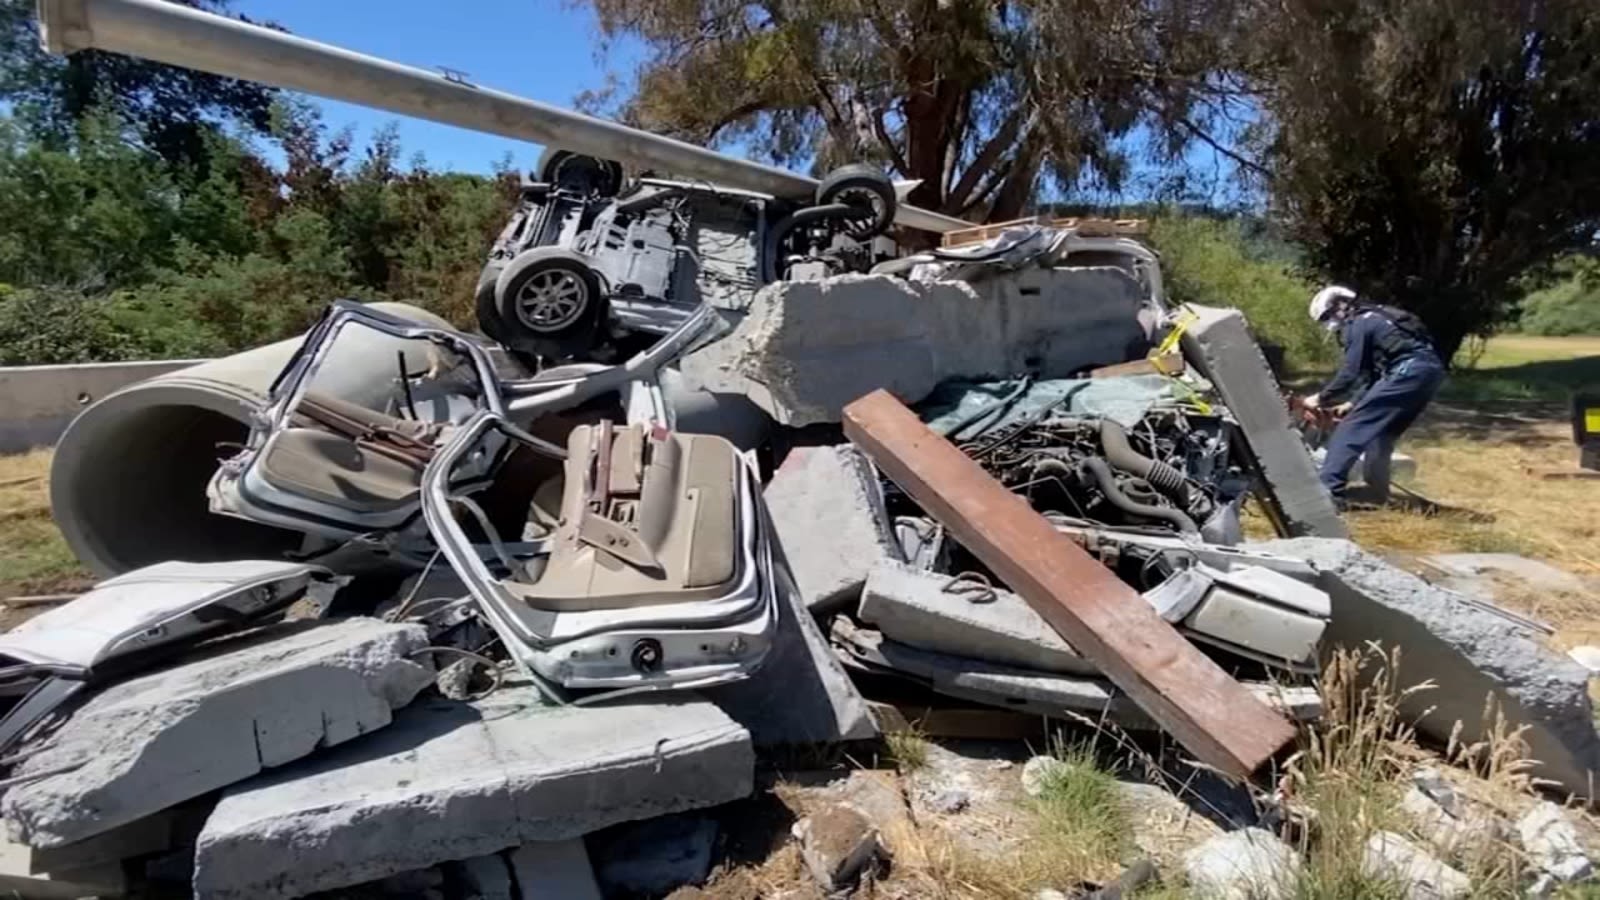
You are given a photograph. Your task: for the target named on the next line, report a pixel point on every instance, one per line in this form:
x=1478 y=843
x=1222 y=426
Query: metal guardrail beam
x=181 y=36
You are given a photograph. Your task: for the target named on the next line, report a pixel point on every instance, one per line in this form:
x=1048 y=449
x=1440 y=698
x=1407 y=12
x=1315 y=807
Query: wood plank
x=1169 y=364
x=1088 y=227
x=1209 y=713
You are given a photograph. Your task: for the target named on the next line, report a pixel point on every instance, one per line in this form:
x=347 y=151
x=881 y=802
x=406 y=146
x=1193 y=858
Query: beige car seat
x=645 y=518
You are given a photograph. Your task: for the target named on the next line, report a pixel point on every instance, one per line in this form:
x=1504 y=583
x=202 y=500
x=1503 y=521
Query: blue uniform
x=1404 y=371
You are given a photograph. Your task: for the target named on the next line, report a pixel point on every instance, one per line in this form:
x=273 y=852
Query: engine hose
x=1097 y=469
x=1121 y=454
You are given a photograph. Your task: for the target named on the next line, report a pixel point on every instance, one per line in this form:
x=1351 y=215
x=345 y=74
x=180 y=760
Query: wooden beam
x=1187 y=694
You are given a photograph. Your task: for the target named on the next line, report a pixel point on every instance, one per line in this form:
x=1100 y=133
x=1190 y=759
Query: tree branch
x=1004 y=138
x=1211 y=142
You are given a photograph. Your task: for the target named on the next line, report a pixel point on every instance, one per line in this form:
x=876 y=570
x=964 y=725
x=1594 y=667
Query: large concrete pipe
x=180 y=36
x=128 y=481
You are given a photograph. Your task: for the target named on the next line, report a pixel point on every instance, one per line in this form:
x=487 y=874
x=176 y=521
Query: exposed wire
x=974 y=586
x=405 y=605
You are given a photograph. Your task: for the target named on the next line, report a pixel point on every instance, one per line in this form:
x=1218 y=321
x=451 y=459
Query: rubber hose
x=1121 y=454
x=1097 y=468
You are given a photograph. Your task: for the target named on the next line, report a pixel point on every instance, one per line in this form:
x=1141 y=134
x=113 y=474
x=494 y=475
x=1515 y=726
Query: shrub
x=1206 y=261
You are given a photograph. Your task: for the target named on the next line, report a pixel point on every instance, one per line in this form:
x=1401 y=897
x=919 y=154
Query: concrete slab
x=1463 y=645
x=554 y=870
x=1487 y=575
x=800 y=695
x=17 y=880
x=1028 y=691
x=827 y=506
x=247 y=704
x=457 y=780
x=807 y=348
x=912 y=607
x=1220 y=345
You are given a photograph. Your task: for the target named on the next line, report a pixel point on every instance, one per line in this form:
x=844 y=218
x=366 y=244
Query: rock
x=1543 y=886
x=456 y=780
x=454 y=681
x=827 y=508
x=1038 y=772
x=950 y=801
x=910 y=606
x=1445 y=832
x=486 y=877
x=1586 y=656
x=837 y=845
x=1390 y=856
x=801 y=694
x=1250 y=864
x=655 y=856
x=1219 y=343
x=554 y=870
x=1468 y=648
x=876 y=794
x=238 y=707
x=807 y=348
x=1431 y=782
x=1050 y=894
x=1553 y=844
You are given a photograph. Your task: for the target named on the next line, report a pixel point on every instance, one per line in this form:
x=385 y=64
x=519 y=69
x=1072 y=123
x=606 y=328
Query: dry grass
x=907 y=750
x=1353 y=766
x=33 y=557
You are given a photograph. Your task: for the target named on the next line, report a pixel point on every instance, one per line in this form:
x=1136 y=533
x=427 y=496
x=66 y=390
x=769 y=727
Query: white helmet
x=1327 y=302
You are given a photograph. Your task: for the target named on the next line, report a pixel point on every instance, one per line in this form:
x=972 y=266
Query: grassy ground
x=33 y=557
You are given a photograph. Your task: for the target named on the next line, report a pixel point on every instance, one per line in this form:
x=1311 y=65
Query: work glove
x=1342 y=409
x=1312 y=401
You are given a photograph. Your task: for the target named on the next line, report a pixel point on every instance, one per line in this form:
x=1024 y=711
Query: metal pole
x=181 y=36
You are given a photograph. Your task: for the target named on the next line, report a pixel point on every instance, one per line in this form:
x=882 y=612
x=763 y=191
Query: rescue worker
x=1392 y=353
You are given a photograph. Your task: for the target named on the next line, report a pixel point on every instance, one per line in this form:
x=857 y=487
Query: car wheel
x=866 y=189
x=551 y=297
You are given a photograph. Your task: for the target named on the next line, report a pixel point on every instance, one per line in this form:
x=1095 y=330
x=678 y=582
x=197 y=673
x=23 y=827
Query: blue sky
x=547 y=50
x=541 y=49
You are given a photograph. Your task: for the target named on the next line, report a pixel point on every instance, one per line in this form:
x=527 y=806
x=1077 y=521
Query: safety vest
x=1408 y=338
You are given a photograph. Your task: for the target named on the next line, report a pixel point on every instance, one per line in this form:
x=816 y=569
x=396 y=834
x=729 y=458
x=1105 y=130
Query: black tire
x=574 y=171
x=865 y=187
x=549 y=301
x=483 y=301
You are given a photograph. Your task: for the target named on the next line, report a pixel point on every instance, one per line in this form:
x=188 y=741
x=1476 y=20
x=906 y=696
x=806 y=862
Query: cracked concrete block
x=800 y=695
x=807 y=348
x=1466 y=648
x=1220 y=345
x=243 y=705
x=456 y=780
x=554 y=870
x=827 y=508
x=912 y=607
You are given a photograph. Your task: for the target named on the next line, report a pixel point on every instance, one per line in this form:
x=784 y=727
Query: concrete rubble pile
x=460 y=622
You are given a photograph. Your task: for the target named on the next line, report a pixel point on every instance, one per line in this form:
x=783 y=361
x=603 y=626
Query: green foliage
x=1430 y=152
x=1209 y=262
x=174 y=111
x=116 y=253
x=45 y=325
x=1570 y=306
